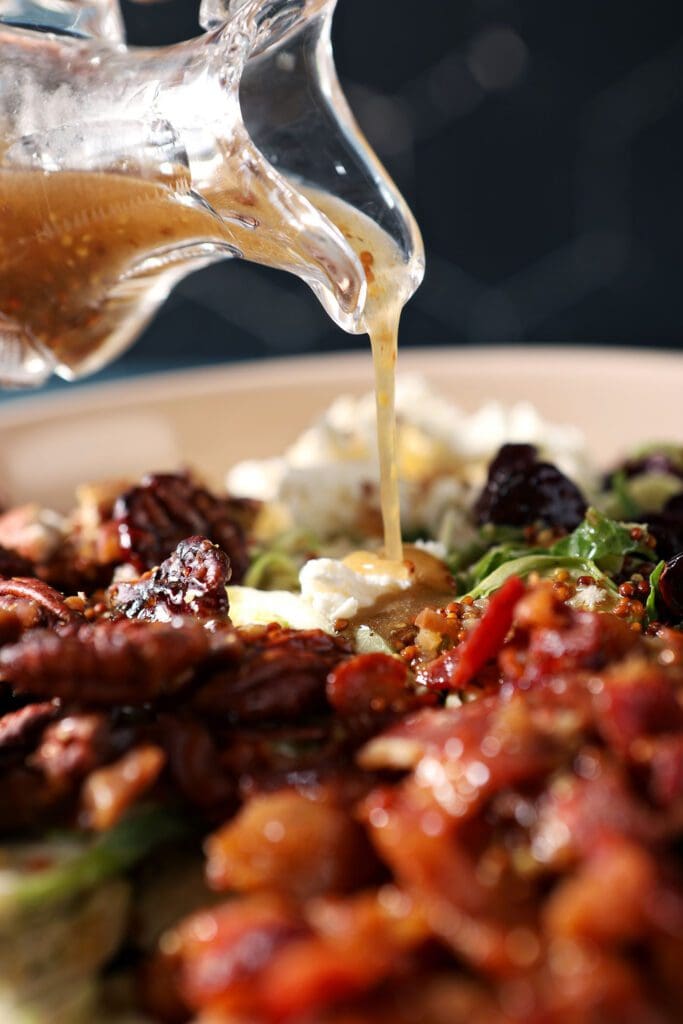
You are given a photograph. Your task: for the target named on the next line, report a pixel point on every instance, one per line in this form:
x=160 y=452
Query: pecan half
x=36 y=603
x=74 y=746
x=166 y=508
x=17 y=728
x=193 y=579
x=109 y=662
x=14 y=564
x=281 y=674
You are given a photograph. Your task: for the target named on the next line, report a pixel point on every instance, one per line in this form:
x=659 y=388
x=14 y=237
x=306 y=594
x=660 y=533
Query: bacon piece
x=617 y=879
x=374 y=685
x=300 y=844
x=458 y=667
x=634 y=700
x=108 y=792
x=468 y=753
x=223 y=951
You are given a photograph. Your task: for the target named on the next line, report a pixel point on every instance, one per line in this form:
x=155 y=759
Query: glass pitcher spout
x=122 y=169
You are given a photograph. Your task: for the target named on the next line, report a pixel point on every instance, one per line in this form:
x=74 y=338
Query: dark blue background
x=539 y=145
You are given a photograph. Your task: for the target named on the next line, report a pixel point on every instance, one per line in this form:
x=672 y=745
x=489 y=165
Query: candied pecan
x=191 y=580
x=165 y=508
x=194 y=763
x=108 y=792
x=14 y=564
x=23 y=615
x=108 y=662
x=281 y=674
x=29 y=800
x=48 y=605
x=32 y=532
x=74 y=746
x=17 y=728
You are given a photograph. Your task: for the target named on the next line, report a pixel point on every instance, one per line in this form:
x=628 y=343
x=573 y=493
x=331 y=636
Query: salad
x=252 y=772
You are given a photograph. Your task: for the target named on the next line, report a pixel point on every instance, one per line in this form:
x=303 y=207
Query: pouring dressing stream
x=124 y=169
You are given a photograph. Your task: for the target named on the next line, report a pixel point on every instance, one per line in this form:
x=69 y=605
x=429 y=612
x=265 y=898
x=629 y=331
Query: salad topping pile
x=253 y=772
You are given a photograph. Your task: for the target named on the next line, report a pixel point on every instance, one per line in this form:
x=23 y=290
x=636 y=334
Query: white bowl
x=212 y=418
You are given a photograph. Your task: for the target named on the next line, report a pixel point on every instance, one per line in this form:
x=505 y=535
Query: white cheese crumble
x=589 y=599
x=336 y=591
x=327 y=481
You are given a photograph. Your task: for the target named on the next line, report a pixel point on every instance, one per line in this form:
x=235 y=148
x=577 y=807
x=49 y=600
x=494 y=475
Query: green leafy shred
x=626 y=505
x=277 y=566
x=604 y=541
x=110 y=854
x=597 y=547
x=651 y=603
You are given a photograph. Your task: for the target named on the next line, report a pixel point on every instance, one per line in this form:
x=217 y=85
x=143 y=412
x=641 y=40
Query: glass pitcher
x=123 y=169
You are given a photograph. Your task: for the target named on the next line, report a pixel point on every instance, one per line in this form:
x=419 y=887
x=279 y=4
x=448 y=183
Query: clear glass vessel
x=122 y=169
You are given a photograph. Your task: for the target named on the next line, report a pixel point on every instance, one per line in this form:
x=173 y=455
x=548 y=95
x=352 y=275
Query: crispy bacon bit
x=458 y=667
x=108 y=792
x=224 y=950
x=636 y=699
x=190 y=581
x=300 y=844
x=281 y=675
x=166 y=508
x=107 y=663
x=372 y=684
x=620 y=878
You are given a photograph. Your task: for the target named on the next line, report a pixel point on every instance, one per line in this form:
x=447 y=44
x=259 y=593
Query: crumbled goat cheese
x=337 y=591
x=327 y=480
x=589 y=598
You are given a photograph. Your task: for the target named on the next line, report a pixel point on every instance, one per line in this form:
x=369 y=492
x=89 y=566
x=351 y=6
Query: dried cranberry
x=165 y=508
x=520 y=490
x=671 y=588
x=193 y=579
